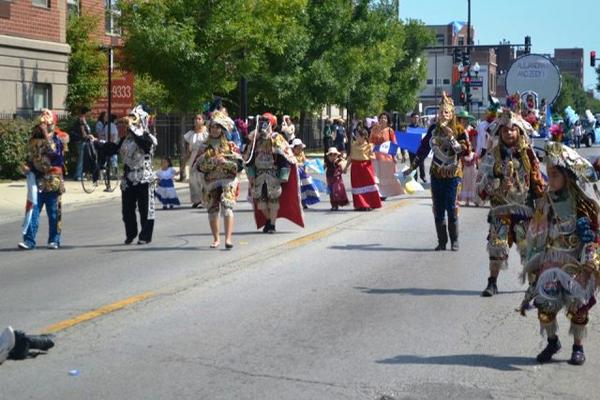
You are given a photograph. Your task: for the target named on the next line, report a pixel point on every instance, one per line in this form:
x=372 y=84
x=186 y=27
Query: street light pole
x=468 y=83
x=109 y=94
x=435 y=90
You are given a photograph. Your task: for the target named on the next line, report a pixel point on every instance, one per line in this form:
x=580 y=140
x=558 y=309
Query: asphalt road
x=355 y=306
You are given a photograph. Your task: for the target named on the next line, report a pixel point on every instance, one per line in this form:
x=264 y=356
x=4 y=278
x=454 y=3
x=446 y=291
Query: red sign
x=122 y=95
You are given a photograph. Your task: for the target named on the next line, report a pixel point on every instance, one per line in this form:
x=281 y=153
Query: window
x=41 y=3
x=446 y=81
x=41 y=96
x=440 y=39
x=72 y=7
x=111 y=17
x=430 y=81
x=461 y=40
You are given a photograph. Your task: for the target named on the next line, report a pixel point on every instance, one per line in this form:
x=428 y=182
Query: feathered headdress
x=509 y=118
x=221 y=119
x=559 y=155
x=513 y=103
x=446 y=103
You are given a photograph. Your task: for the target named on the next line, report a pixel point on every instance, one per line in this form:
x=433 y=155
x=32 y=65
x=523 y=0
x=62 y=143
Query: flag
x=321 y=186
x=315 y=165
x=410 y=139
x=387 y=148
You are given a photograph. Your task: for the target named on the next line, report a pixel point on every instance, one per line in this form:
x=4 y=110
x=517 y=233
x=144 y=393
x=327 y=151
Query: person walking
x=165 y=191
x=335 y=182
x=195 y=138
x=385 y=164
x=339 y=135
x=288 y=129
x=577 y=134
x=327 y=135
x=365 y=192
x=46 y=161
x=414 y=123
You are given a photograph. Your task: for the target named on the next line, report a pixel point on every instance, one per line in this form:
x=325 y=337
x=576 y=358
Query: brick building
x=570 y=62
x=34 y=54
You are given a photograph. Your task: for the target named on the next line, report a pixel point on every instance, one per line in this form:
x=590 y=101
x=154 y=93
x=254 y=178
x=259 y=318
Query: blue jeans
x=50 y=199
x=443 y=195
x=79 y=168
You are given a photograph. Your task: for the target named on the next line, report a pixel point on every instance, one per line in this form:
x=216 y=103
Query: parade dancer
x=385 y=164
x=219 y=162
x=365 y=192
x=335 y=181
x=510 y=177
x=563 y=250
x=449 y=143
x=271 y=170
x=137 y=182
x=46 y=163
x=308 y=191
x=165 y=191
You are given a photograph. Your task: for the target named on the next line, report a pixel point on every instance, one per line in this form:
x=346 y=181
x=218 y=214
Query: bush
x=13 y=146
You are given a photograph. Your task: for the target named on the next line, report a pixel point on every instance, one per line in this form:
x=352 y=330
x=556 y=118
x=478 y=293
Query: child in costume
x=333 y=170
x=308 y=191
x=365 y=191
x=510 y=178
x=165 y=191
x=563 y=251
x=469 y=165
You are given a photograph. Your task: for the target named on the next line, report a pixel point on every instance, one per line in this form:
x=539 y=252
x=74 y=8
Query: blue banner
x=410 y=139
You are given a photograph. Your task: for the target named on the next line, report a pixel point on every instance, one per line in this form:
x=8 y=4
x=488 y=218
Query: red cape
x=289 y=202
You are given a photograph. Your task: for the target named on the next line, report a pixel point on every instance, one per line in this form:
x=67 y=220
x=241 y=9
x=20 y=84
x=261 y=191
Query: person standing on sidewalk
x=137 y=183
x=327 y=135
x=79 y=134
x=195 y=138
x=46 y=161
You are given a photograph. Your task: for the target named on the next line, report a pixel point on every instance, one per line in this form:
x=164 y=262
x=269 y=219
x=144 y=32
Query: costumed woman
x=271 y=170
x=563 y=251
x=219 y=162
x=195 y=138
x=137 y=183
x=365 y=192
x=308 y=191
x=385 y=164
x=449 y=143
x=334 y=161
x=510 y=177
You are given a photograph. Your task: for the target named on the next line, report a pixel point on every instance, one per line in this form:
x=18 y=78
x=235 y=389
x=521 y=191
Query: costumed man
x=219 y=161
x=449 y=143
x=273 y=176
x=137 y=182
x=509 y=176
x=563 y=249
x=15 y=345
x=46 y=162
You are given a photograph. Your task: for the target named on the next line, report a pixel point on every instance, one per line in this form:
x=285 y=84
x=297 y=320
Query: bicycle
x=93 y=172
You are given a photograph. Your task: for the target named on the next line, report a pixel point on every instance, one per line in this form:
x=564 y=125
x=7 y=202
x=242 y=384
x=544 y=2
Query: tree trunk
x=183 y=151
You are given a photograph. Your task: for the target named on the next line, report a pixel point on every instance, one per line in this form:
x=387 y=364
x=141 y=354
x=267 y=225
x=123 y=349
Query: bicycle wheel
x=112 y=173
x=87 y=182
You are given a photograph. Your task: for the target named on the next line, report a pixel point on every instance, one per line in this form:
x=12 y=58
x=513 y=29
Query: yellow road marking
x=69 y=323
x=310 y=237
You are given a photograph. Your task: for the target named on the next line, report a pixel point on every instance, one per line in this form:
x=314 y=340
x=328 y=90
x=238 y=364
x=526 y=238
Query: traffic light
x=466 y=59
x=457 y=56
x=527 y=44
x=592 y=58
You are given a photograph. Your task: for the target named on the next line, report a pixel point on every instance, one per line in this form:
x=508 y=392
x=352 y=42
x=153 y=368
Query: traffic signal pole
x=468 y=63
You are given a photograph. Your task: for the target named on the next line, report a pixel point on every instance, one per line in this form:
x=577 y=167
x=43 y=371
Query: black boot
x=40 y=342
x=271 y=228
x=267 y=226
x=453 y=231
x=577 y=356
x=551 y=349
x=491 y=288
x=442 y=236
x=24 y=343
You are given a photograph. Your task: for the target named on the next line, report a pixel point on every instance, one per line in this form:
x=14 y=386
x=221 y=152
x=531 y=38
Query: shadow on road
x=500 y=363
x=429 y=292
x=246 y=233
x=378 y=247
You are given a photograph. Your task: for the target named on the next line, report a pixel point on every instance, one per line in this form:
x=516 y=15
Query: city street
x=354 y=306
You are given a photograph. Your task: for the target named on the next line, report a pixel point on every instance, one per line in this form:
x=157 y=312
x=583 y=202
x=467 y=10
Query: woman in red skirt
x=365 y=193
x=335 y=183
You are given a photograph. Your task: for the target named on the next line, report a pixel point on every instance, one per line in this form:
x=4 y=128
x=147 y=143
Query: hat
x=298 y=142
x=559 y=155
x=509 y=118
x=272 y=119
x=446 y=103
x=332 y=150
x=465 y=114
x=219 y=118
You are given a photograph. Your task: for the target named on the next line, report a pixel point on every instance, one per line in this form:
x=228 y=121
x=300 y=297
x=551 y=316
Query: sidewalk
x=14 y=194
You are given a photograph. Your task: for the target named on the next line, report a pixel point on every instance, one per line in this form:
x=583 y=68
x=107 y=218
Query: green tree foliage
x=151 y=93
x=572 y=94
x=13 y=146
x=87 y=64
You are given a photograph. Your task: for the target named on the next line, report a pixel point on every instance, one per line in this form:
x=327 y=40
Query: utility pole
x=468 y=65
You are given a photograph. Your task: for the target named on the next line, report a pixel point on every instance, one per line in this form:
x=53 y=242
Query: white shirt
x=195 y=140
x=482 y=136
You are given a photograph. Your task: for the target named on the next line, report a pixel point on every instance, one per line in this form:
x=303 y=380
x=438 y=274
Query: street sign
x=122 y=94
x=534 y=73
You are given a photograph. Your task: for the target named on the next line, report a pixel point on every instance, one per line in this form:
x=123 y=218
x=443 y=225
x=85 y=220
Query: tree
x=572 y=94
x=151 y=93
x=87 y=63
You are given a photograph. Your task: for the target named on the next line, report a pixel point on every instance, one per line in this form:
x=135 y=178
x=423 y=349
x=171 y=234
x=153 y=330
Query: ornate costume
x=562 y=259
x=137 y=181
x=449 y=143
x=308 y=190
x=510 y=177
x=219 y=161
x=271 y=168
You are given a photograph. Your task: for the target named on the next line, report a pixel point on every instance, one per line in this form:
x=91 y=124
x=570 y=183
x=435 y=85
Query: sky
x=550 y=23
